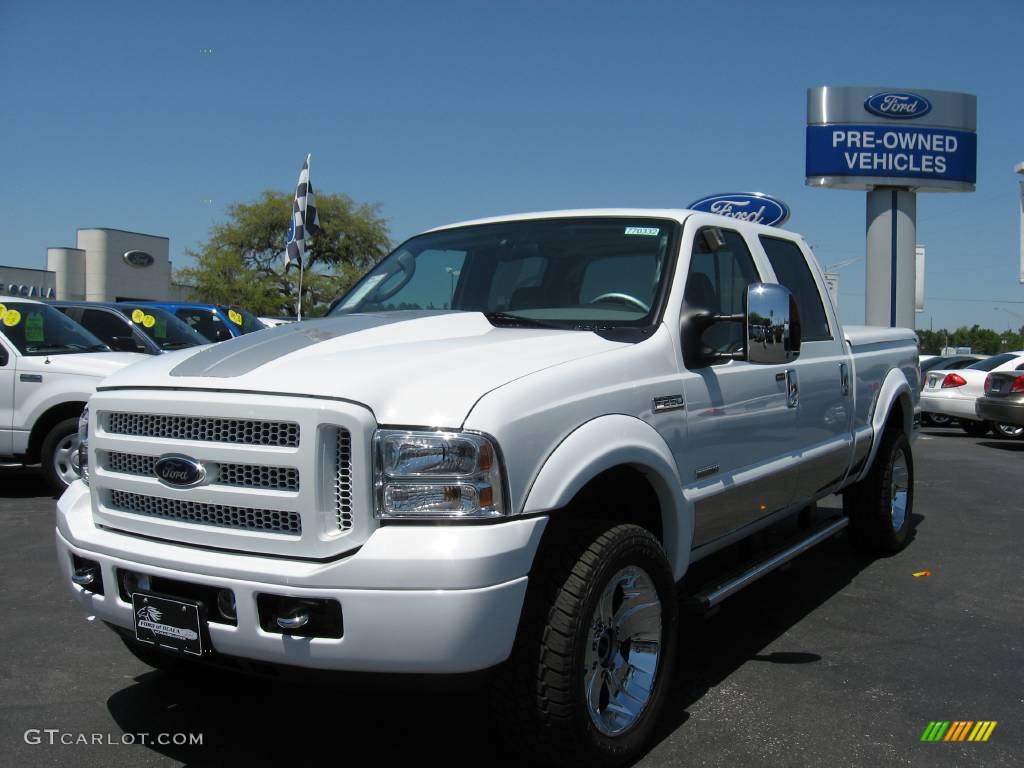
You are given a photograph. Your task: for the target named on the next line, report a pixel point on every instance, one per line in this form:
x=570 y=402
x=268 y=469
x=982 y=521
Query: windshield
x=243 y=319
x=571 y=273
x=39 y=329
x=993 y=362
x=167 y=331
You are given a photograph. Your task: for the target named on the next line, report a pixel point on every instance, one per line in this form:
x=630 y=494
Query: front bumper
x=414 y=599
x=1001 y=410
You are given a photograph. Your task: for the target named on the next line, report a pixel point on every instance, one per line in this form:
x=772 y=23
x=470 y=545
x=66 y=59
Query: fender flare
x=611 y=441
x=895 y=392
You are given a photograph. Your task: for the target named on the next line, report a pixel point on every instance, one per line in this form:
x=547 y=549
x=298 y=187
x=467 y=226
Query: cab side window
x=791 y=268
x=721 y=268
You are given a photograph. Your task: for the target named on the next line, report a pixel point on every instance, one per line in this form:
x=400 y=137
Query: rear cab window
x=792 y=270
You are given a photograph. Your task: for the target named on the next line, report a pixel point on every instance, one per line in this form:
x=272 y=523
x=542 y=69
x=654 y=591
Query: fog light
x=226 y=604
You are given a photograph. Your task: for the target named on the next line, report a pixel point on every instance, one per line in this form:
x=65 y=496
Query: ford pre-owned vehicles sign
x=899 y=106
x=754 y=207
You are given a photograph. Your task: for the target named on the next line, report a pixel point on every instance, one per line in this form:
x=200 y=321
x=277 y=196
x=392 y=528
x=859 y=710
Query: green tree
x=242 y=262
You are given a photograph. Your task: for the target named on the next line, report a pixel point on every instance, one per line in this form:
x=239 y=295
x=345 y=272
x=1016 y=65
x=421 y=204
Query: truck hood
x=410 y=367
x=98 y=365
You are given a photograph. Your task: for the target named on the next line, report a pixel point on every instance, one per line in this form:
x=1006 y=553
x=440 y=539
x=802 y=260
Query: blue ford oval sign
x=898 y=106
x=179 y=471
x=745 y=206
x=137 y=258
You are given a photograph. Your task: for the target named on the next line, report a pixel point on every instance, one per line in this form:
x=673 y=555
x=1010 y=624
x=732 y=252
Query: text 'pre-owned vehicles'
x=49 y=367
x=502 y=453
x=132 y=327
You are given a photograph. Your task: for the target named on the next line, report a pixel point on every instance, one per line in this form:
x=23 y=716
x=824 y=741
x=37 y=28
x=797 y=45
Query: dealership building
x=105 y=265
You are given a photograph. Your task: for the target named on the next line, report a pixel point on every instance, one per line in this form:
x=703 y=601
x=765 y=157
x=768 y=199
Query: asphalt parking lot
x=834 y=661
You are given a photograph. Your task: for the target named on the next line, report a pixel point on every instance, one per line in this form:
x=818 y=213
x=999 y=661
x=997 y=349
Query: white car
x=49 y=367
x=953 y=393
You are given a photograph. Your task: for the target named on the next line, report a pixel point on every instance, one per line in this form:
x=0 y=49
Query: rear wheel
x=974 y=428
x=594 y=654
x=880 y=506
x=59 y=455
x=1008 y=431
x=938 y=419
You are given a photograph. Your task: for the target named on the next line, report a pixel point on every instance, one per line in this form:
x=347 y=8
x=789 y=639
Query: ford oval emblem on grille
x=179 y=471
x=898 y=106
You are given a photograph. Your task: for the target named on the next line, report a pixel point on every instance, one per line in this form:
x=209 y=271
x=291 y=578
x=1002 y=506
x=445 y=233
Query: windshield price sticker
x=12 y=317
x=34 y=327
x=138 y=315
x=646 y=231
x=235 y=317
x=160 y=331
x=3 y=311
x=149 y=321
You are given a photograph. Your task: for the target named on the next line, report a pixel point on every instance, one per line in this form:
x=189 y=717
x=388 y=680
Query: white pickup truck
x=49 y=367
x=502 y=452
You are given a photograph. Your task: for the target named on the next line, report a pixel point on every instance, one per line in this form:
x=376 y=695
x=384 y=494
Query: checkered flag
x=305 y=220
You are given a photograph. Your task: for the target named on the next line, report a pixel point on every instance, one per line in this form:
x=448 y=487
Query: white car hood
x=409 y=368
x=96 y=364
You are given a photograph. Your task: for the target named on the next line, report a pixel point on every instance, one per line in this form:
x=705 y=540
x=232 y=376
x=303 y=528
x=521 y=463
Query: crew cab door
x=7 y=360
x=824 y=429
x=736 y=462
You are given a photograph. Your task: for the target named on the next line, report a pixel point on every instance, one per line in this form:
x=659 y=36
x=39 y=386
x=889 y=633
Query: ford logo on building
x=179 y=471
x=898 y=106
x=137 y=258
x=745 y=206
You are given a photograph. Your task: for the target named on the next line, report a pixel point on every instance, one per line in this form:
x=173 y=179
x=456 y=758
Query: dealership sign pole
x=892 y=143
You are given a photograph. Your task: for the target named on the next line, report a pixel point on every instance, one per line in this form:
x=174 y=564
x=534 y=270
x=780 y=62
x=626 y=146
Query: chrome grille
x=240 y=475
x=343 y=479
x=221 y=515
x=241 y=431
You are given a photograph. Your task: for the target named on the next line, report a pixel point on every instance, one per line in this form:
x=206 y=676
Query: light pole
x=1019 y=168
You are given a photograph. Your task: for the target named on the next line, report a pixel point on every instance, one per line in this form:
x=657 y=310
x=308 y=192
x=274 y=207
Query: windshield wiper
x=177 y=345
x=508 y=320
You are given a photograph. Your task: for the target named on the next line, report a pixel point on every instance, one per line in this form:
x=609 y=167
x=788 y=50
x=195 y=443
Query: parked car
x=1003 y=402
x=502 y=452
x=953 y=393
x=49 y=367
x=217 y=322
x=951 y=363
x=131 y=327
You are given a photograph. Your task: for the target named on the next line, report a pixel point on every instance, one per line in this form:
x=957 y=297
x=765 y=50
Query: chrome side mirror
x=772 y=324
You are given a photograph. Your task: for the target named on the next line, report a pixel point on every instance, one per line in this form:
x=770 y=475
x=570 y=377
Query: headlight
x=437 y=476
x=83 y=445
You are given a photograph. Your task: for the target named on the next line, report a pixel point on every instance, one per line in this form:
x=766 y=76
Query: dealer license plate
x=171 y=624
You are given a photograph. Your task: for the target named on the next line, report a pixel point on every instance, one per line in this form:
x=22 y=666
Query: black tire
x=1007 y=431
x=974 y=428
x=938 y=419
x=539 y=696
x=54 y=439
x=869 y=504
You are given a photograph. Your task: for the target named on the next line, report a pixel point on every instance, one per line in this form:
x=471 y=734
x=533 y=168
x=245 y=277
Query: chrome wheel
x=65 y=459
x=624 y=646
x=899 y=490
x=1009 y=430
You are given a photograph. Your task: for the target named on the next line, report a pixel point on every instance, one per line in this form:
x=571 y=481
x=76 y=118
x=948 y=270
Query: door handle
x=792 y=388
x=844 y=378
x=33 y=378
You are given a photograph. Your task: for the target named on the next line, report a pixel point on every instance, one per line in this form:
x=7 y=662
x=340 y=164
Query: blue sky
x=115 y=117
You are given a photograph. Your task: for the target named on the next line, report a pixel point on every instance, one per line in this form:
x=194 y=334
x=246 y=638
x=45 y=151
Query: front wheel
x=59 y=455
x=880 y=506
x=594 y=654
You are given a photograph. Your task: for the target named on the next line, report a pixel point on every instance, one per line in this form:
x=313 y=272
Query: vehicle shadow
x=250 y=721
x=1014 y=446
x=20 y=482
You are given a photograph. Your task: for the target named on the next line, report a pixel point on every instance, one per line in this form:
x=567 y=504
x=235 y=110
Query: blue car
x=217 y=322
